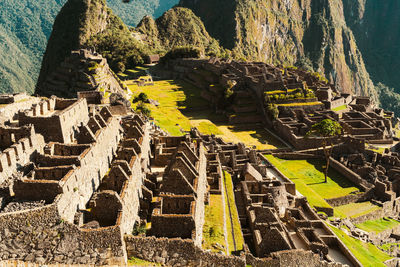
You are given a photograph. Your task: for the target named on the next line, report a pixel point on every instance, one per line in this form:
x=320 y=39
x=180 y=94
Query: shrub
x=142 y=108
x=139 y=229
x=272 y=111
x=120 y=67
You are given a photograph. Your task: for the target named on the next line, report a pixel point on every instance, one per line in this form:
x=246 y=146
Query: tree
x=327 y=129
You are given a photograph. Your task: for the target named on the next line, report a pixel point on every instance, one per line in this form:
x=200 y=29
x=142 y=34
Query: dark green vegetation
x=375 y=25
x=24 y=29
x=326 y=129
x=390 y=100
x=26 y=25
x=131 y=13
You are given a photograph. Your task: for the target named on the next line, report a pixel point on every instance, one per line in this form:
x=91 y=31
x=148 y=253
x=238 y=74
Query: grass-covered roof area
x=379 y=225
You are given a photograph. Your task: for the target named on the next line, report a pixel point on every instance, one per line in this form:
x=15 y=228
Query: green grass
x=380 y=150
x=340 y=108
x=173 y=99
x=213 y=230
x=354 y=210
x=366 y=253
x=389 y=246
x=139 y=262
x=300 y=104
x=182 y=107
x=311 y=174
x=237 y=230
x=378 y=226
x=309 y=179
x=206 y=127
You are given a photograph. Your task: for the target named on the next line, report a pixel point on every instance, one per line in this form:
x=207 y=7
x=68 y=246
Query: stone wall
x=59 y=241
x=19 y=154
x=349 y=174
x=11 y=110
x=290 y=258
x=176 y=252
x=59 y=125
x=87 y=177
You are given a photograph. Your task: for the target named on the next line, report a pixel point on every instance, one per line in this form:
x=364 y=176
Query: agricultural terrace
x=366 y=253
x=308 y=175
x=181 y=107
x=379 y=225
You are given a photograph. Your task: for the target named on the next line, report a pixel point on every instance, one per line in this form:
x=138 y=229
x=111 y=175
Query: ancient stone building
x=83 y=70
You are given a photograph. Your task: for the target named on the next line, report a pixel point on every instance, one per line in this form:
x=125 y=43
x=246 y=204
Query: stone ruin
x=83 y=70
x=78 y=176
x=302 y=99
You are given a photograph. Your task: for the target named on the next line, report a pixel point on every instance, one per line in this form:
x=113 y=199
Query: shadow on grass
x=132 y=74
x=332 y=174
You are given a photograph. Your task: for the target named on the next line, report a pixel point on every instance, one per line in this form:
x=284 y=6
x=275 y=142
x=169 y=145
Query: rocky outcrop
x=312 y=34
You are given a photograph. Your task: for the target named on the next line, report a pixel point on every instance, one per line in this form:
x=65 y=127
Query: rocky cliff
x=312 y=34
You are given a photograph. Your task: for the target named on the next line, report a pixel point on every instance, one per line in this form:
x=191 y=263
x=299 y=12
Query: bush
x=139 y=229
x=120 y=67
x=272 y=111
x=142 y=108
x=142 y=97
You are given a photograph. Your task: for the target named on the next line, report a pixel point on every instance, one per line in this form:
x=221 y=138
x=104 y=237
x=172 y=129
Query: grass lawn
x=310 y=173
x=181 y=107
x=378 y=226
x=172 y=100
x=139 y=262
x=357 y=209
x=366 y=253
x=213 y=230
x=231 y=208
x=309 y=179
x=340 y=108
x=257 y=137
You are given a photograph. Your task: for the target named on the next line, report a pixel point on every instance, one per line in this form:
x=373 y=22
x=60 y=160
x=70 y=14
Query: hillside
x=24 y=29
x=375 y=27
x=133 y=12
x=312 y=34
x=178 y=27
x=26 y=25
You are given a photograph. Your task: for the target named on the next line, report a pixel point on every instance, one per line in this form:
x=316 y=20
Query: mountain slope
x=309 y=33
x=26 y=25
x=178 y=27
x=376 y=27
x=24 y=28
